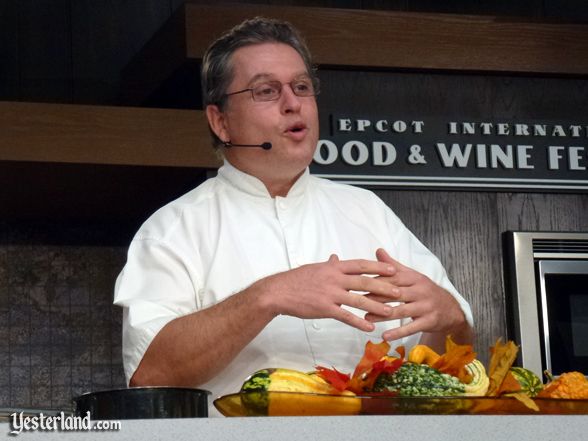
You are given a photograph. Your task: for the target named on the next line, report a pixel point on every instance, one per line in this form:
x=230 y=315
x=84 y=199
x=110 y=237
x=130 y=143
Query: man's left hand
x=433 y=310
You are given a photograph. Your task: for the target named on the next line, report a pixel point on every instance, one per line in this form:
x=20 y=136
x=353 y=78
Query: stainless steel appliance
x=546 y=281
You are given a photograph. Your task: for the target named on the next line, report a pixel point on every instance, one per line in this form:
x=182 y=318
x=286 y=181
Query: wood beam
x=65 y=133
x=359 y=39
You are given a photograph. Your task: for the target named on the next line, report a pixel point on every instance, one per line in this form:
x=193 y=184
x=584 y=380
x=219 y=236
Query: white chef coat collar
x=253 y=186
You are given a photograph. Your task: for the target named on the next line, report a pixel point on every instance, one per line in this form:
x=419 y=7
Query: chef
x=265 y=265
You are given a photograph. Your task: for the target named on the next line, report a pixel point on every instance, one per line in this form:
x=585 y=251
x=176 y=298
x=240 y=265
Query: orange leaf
x=509 y=384
x=455 y=359
x=365 y=382
x=337 y=379
x=373 y=353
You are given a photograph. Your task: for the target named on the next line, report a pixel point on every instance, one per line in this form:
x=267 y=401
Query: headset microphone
x=265 y=145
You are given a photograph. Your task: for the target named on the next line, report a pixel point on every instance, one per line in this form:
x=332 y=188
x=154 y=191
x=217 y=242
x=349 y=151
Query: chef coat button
x=316 y=326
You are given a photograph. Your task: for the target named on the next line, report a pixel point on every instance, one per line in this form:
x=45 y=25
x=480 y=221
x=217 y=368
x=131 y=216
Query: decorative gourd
x=480 y=381
x=422 y=354
x=530 y=383
x=286 y=380
x=258 y=401
x=569 y=385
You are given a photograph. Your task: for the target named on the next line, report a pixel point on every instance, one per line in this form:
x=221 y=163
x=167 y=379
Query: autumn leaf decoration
x=502 y=382
x=455 y=359
x=374 y=362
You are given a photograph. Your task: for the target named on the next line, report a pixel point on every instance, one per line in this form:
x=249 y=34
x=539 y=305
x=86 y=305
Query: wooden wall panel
x=105 y=37
x=9 y=71
x=542 y=212
x=453 y=95
x=460 y=228
x=45 y=58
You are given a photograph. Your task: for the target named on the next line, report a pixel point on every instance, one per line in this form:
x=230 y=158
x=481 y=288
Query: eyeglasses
x=272 y=90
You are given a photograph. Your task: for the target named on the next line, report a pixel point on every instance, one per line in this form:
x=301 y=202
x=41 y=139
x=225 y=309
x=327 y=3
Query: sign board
x=375 y=151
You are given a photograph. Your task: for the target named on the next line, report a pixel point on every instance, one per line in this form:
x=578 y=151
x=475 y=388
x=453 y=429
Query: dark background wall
x=59 y=334
x=72 y=51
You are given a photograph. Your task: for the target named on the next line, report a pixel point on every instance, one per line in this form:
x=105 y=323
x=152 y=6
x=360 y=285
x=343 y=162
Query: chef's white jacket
x=227 y=233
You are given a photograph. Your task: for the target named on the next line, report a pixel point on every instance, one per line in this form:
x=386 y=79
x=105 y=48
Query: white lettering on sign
x=503 y=129
x=345 y=125
x=384 y=153
x=523 y=156
x=486 y=156
x=355 y=153
x=455 y=155
x=331 y=149
x=479 y=151
x=516 y=129
x=540 y=130
x=558 y=153
x=417 y=126
x=522 y=130
x=399 y=126
x=576 y=131
x=362 y=124
x=380 y=126
x=554 y=156
x=575 y=158
x=558 y=131
x=486 y=128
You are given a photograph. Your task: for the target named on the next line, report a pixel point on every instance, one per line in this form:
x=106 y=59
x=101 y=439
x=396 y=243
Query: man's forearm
x=189 y=350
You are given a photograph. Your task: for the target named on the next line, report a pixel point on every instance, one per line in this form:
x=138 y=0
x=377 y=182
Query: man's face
x=289 y=123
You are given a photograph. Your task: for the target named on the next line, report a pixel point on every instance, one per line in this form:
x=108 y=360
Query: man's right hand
x=319 y=290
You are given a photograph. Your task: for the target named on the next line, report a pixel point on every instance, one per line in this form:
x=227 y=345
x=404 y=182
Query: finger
x=383 y=256
x=403 y=331
x=351 y=319
x=370 y=285
x=397 y=312
x=407 y=277
x=360 y=301
x=333 y=258
x=363 y=266
x=380 y=298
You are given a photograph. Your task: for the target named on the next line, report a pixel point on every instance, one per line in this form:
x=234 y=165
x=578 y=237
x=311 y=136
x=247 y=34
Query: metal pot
x=143 y=402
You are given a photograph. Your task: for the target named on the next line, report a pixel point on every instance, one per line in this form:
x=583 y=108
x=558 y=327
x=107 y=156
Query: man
x=265 y=265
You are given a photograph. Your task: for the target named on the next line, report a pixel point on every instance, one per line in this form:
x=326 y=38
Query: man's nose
x=291 y=101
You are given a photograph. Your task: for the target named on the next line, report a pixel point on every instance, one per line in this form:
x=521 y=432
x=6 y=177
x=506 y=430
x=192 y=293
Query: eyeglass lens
x=272 y=90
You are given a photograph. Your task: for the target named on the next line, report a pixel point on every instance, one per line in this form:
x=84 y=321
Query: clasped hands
x=319 y=291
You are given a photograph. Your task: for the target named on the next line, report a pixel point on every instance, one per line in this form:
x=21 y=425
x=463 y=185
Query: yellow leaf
x=525 y=399
x=503 y=356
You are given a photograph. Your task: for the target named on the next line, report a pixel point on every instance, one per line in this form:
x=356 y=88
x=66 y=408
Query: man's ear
x=216 y=121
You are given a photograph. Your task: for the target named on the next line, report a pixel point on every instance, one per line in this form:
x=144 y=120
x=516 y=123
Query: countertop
x=373 y=428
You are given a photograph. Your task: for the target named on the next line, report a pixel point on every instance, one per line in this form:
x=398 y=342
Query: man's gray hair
x=217 y=70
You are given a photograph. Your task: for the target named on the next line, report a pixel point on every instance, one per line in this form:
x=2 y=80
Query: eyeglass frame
x=314 y=81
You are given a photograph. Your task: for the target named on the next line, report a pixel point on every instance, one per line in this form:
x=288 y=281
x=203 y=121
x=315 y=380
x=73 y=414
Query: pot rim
x=143 y=388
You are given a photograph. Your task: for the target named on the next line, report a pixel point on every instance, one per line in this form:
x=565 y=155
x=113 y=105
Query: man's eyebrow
x=258 y=77
x=269 y=77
